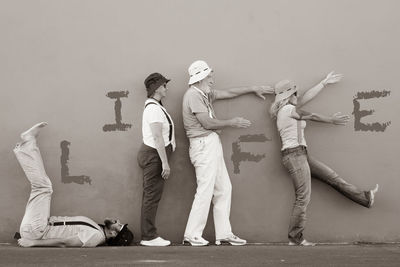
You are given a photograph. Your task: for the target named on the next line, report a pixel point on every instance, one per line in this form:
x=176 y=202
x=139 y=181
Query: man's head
x=155 y=82
x=200 y=72
x=117 y=234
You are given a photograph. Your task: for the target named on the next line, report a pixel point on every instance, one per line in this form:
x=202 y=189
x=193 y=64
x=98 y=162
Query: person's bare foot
x=372 y=195
x=33 y=131
x=26 y=243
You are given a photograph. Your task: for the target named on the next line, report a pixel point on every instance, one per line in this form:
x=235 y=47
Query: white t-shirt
x=89 y=236
x=290 y=130
x=154 y=113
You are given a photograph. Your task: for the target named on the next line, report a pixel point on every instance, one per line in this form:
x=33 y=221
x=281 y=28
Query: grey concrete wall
x=60 y=59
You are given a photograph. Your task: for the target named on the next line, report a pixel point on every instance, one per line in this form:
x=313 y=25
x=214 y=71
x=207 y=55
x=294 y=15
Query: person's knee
x=204 y=194
x=49 y=188
x=151 y=199
x=303 y=202
x=332 y=174
x=44 y=188
x=303 y=198
x=225 y=190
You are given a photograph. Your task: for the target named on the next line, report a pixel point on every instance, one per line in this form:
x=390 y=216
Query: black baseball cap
x=123 y=238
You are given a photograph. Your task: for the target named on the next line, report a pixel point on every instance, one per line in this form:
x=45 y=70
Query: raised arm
x=260 y=91
x=314 y=91
x=337 y=118
x=216 y=124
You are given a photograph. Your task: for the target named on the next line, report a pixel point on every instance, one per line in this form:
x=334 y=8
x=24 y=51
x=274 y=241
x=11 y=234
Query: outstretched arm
x=337 y=118
x=314 y=91
x=216 y=124
x=52 y=242
x=260 y=91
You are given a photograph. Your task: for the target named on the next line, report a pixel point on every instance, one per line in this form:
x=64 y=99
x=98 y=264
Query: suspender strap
x=73 y=223
x=299 y=134
x=169 y=120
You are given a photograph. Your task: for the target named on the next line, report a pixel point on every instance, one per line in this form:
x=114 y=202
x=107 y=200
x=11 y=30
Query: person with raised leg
x=38 y=228
x=291 y=122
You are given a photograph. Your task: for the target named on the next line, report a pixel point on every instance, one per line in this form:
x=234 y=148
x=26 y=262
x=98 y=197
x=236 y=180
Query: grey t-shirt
x=195 y=102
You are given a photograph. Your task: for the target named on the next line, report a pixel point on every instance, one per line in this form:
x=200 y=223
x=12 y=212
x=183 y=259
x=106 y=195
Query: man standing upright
x=202 y=128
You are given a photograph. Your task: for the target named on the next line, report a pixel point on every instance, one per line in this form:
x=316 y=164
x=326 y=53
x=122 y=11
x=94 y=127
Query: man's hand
x=340 y=119
x=332 y=78
x=165 y=171
x=262 y=90
x=26 y=243
x=239 y=122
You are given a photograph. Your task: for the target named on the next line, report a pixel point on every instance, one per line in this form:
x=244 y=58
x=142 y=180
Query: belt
x=293 y=149
x=72 y=223
x=149 y=148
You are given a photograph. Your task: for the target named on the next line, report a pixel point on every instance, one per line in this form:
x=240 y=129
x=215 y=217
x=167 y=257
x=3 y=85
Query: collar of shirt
x=211 y=111
x=155 y=102
x=201 y=92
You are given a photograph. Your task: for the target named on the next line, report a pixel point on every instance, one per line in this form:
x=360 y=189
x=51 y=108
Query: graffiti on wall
x=118 y=125
x=239 y=156
x=359 y=114
x=65 y=177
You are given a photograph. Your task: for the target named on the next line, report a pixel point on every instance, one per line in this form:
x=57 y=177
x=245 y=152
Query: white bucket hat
x=284 y=89
x=198 y=70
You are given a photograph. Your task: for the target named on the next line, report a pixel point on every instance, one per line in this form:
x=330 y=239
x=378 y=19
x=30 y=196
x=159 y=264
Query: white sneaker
x=156 y=242
x=372 y=195
x=303 y=243
x=233 y=240
x=195 y=241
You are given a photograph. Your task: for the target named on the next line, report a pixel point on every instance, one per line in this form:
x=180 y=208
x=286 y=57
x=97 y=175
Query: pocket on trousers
x=147 y=158
x=290 y=164
x=286 y=161
x=196 y=148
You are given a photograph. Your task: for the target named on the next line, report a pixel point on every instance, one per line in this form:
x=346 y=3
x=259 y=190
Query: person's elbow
x=207 y=125
x=158 y=140
x=72 y=242
x=205 y=121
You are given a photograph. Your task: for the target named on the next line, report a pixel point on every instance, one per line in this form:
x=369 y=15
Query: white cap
x=198 y=70
x=284 y=89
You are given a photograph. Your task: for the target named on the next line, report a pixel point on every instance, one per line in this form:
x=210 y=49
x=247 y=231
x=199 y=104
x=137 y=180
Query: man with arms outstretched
x=202 y=128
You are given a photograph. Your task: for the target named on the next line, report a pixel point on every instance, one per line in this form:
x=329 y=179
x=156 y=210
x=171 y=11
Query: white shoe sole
x=227 y=243
x=155 y=245
x=188 y=243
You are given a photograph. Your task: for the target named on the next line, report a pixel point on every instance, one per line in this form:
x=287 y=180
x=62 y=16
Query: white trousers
x=213 y=183
x=37 y=210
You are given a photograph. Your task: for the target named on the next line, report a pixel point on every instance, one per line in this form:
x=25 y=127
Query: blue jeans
x=301 y=167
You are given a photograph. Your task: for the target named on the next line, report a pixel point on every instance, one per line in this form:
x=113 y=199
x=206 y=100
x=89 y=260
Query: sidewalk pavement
x=177 y=255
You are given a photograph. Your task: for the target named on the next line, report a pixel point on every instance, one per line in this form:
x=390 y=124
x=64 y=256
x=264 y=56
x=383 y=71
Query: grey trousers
x=153 y=185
